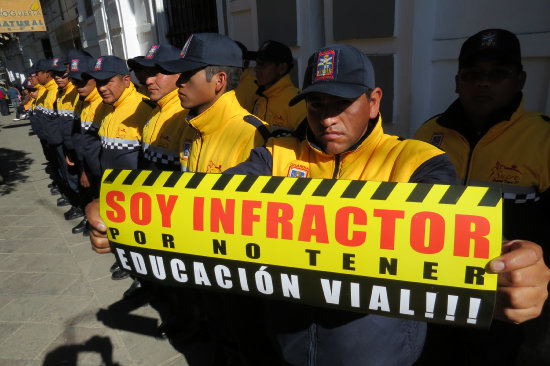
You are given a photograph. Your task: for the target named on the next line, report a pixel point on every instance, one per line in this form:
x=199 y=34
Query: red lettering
x=387 y=226
x=140 y=208
x=248 y=216
x=118 y=215
x=225 y=217
x=436 y=238
x=198 y=214
x=313 y=223
x=341 y=228
x=465 y=235
x=166 y=208
x=279 y=213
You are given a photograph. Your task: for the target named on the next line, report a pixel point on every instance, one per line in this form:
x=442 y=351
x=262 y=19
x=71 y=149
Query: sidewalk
x=53 y=287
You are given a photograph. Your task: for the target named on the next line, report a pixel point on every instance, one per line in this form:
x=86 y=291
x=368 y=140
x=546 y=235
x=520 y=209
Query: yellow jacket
x=67 y=99
x=513 y=155
x=89 y=112
x=121 y=129
x=43 y=119
x=379 y=157
x=271 y=105
x=226 y=134
x=162 y=133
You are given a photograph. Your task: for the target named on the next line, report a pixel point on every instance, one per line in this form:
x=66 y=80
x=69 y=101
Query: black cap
x=58 y=64
x=247 y=55
x=340 y=70
x=30 y=70
x=43 y=65
x=491 y=41
x=205 y=49
x=273 y=51
x=105 y=67
x=81 y=65
x=157 y=53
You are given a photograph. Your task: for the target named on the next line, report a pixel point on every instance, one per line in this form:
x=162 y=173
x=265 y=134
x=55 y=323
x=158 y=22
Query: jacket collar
x=455 y=118
x=51 y=85
x=131 y=90
x=217 y=115
x=93 y=96
x=275 y=89
x=169 y=98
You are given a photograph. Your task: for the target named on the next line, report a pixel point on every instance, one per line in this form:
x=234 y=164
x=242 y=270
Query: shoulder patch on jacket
x=256 y=122
x=545 y=117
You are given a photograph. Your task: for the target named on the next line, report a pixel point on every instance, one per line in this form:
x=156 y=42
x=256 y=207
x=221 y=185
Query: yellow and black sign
x=21 y=16
x=416 y=251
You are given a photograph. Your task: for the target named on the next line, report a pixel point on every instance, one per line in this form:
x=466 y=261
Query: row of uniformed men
x=83 y=89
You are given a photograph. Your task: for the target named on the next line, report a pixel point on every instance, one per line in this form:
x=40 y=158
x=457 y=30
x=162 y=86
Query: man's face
x=159 y=84
x=111 y=89
x=43 y=77
x=268 y=73
x=195 y=92
x=487 y=85
x=34 y=93
x=33 y=79
x=84 y=87
x=61 y=77
x=339 y=123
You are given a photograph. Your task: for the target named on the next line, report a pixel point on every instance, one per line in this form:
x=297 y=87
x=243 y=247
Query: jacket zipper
x=336 y=167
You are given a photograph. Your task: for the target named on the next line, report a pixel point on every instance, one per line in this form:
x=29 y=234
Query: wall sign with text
x=415 y=251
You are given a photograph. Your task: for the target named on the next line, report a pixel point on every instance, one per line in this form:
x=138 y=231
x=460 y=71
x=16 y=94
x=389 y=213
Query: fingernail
x=497 y=265
x=101 y=227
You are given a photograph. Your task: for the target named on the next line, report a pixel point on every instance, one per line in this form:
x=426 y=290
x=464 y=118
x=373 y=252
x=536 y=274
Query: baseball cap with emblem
x=81 y=66
x=58 y=64
x=340 y=70
x=491 y=41
x=205 y=49
x=157 y=53
x=105 y=67
x=273 y=51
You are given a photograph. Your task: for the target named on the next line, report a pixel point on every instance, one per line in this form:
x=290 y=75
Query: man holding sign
x=345 y=141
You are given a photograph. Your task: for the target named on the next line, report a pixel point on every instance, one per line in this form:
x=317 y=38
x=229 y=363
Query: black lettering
x=429 y=269
x=114 y=232
x=167 y=241
x=139 y=236
x=252 y=250
x=313 y=256
x=388 y=266
x=219 y=247
x=347 y=261
x=474 y=273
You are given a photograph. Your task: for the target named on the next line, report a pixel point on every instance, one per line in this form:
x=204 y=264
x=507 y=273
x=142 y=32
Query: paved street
x=58 y=304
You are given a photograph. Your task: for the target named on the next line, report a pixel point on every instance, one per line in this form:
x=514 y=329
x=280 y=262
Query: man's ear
x=522 y=78
x=375 y=98
x=126 y=79
x=282 y=68
x=221 y=81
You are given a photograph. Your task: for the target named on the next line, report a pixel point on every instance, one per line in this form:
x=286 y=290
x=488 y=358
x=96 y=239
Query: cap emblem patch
x=186 y=46
x=489 y=40
x=98 y=64
x=152 y=51
x=74 y=64
x=325 y=65
x=55 y=61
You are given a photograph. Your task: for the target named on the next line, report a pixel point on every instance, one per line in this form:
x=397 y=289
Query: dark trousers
x=4 y=110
